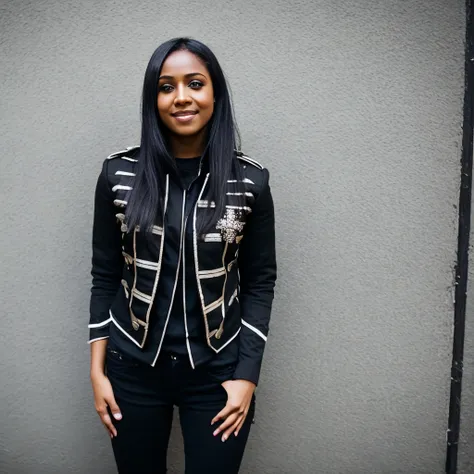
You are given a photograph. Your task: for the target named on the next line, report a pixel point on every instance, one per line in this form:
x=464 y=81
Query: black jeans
x=146 y=396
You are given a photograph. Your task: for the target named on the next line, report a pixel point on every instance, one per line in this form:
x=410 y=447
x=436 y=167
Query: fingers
x=114 y=408
x=106 y=420
x=234 y=418
x=223 y=414
x=239 y=426
x=232 y=428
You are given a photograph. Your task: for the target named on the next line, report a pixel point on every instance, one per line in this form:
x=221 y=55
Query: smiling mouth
x=187 y=113
x=184 y=117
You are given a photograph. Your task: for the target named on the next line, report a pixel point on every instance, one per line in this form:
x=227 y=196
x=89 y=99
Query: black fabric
x=162 y=328
x=175 y=335
x=146 y=396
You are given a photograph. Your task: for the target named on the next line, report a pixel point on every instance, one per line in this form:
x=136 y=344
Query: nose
x=182 y=96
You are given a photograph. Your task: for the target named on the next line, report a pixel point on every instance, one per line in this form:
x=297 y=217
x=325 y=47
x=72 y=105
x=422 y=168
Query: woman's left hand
x=239 y=397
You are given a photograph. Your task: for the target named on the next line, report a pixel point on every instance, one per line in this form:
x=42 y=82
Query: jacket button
x=135 y=325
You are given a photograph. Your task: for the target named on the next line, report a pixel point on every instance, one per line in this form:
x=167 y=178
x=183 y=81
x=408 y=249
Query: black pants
x=146 y=396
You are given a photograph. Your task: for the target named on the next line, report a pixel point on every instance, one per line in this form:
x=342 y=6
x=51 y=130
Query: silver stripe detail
x=196 y=262
x=228 y=342
x=225 y=282
x=99 y=325
x=245 y=180
x=157 y=230
x=250 y=160
x=212 y=237
x=188 y=346
x=123 y=330
x=243 y=208
x=124 y=173
x=112 y=155
x=176 y=277
x=147 y=265
x=120 y=203
x=213 y=305
x=97 y=339
x=248 y=194
x=155 y=283
x=129 y=159
x=232 y=298
x=206 y=204
x=121 y=186
x=141 y=296
x=212 y=273
x=255 y=330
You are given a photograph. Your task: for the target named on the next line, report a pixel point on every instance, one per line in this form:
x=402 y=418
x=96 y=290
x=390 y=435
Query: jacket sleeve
x=258 y=273
x=107 y=259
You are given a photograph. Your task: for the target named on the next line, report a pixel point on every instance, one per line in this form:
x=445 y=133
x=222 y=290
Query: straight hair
x=155 y=160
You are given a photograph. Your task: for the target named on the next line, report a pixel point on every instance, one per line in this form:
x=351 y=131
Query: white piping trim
x=141 y=296
x=157 y=230
x=123 y=330
x=121 y=186
x=196 y=262
x=129 y=159
x=206 y=204
x=147 y=265
x=99 y=325
x=112 y=155
x=212 y=273
x=175 y=280
x=243 y=208
x=124 y=173
x=184 y=291
x=255 y=330
x=213 y=237
x=233 y=297
x=212 y=306
x=248 y=194
x=229 y=341
x=97 y=339
x=225 y=282
x=250 y=160
x=245 y=180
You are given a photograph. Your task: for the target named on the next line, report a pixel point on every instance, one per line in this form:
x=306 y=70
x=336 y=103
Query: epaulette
x=247 y=159
x=122 y=152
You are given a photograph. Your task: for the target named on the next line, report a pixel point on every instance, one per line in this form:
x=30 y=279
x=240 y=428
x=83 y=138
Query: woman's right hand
x=103 y=398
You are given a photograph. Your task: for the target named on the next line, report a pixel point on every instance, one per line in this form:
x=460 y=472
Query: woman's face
x=185 y=94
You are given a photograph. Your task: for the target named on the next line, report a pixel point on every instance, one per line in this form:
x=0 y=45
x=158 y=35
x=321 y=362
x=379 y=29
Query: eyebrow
x=186 y=75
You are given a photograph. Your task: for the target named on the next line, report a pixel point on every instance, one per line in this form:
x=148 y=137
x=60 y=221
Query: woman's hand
x=103 y=398
x=239 y=397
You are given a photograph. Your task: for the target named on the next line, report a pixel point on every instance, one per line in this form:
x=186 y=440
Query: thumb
x=114 y=408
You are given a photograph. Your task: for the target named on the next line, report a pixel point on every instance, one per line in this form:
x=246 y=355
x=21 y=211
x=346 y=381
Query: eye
x=166 y=88
x=195 y=84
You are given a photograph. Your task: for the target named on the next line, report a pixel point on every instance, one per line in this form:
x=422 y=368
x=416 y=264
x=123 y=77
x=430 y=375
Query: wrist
x=97 y=373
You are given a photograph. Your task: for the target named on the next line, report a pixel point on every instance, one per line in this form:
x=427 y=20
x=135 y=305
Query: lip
x=184 y=116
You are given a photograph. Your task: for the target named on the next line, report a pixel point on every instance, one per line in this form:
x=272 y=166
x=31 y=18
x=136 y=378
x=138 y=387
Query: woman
x=183 y=273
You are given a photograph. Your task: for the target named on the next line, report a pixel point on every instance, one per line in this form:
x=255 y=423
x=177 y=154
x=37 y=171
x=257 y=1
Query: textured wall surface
x=356 y=109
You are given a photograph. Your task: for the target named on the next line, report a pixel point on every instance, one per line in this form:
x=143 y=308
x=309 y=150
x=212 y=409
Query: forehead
x=180 y=63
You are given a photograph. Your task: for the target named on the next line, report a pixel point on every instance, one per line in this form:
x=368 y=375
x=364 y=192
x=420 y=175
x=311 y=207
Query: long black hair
x=146 y=200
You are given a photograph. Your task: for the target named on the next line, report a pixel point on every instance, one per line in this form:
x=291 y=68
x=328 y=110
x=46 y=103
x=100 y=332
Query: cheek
x=162 y=105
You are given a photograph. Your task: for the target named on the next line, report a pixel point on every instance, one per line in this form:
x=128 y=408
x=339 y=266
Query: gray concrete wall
x=356 y=108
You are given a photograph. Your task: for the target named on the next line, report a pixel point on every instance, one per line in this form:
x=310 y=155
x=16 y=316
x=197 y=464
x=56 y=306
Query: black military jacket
x=235 y=265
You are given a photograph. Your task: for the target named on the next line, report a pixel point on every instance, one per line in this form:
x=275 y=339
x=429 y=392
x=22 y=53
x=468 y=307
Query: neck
x=188 y=147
